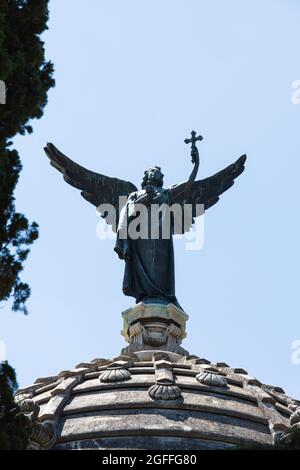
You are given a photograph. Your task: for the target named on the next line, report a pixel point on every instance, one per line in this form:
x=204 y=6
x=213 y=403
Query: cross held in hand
x=193 y=139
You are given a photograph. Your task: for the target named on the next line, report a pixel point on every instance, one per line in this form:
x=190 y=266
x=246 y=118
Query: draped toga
x=149 y=270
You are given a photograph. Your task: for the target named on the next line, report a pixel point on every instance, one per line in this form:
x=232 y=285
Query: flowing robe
x=149 y=268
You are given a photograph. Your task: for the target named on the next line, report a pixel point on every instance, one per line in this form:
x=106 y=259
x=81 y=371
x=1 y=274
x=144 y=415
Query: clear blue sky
x=133 y=79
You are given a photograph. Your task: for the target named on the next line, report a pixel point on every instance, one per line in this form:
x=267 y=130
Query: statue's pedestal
x=158 y=326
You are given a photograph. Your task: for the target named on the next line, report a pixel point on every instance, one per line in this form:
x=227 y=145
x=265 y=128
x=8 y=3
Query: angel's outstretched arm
x=195 y=160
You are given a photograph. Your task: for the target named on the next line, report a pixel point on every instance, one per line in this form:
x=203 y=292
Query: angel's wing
x=208 y=190
x=95 y=188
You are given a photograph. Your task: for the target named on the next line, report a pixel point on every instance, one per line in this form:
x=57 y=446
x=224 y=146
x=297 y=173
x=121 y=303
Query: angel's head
x=154 y=177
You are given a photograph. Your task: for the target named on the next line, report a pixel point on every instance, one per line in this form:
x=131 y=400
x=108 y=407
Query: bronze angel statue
x=149 y=260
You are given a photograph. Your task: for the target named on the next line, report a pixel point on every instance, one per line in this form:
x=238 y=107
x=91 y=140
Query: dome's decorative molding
x=212 y=378
x=42 y=435
x=162 y=399
x=164 y=392
x=115 y=375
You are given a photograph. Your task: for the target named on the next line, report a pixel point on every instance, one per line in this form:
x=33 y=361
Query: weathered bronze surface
x=149 y=261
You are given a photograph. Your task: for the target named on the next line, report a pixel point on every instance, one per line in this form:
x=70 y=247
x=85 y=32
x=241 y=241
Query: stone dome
x=155 y=399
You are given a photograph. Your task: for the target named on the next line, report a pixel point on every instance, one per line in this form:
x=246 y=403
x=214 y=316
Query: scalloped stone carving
x=211 y=378
x=43 y=435
x=164 y=392
x=115 y=375
x=155 y=341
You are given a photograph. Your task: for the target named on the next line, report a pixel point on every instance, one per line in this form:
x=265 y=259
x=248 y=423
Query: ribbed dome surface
x=155 y=400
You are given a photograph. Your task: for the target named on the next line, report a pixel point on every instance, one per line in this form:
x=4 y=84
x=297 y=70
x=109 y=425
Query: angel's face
x=154 y=176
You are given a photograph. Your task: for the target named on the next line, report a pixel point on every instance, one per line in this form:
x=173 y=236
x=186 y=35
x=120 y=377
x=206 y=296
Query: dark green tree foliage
x=14 y=426
x=27 y=77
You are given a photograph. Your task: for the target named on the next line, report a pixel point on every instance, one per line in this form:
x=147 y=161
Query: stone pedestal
x=158 y=326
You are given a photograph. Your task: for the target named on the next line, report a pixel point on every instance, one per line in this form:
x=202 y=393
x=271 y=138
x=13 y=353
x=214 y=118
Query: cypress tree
x=27 y=77
x=14 y=426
